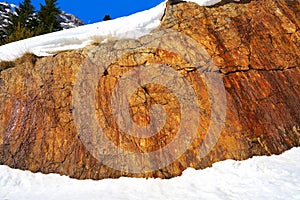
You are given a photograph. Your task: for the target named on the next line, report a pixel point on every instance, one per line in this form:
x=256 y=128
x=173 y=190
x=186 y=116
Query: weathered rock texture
x=255 y=45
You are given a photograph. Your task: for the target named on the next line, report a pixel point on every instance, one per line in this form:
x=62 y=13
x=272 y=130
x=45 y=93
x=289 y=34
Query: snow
x=133 y=26
x=274 y=177
x=130 y=27
x=207 y=2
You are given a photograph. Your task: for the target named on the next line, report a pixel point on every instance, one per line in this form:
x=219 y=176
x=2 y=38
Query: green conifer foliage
x=23 y=24
x=106 y=18
x=47 y=17
x=26 y=15
x=20 y=33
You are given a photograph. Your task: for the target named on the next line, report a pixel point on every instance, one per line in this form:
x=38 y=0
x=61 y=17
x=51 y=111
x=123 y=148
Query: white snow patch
x=274 y=177
x=133 y=27
x=207 y=2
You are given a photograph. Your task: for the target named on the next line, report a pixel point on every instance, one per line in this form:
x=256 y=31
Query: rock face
x=255 y=49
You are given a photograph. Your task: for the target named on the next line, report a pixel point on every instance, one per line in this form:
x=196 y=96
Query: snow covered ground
x=133 y=26
x=275 y=177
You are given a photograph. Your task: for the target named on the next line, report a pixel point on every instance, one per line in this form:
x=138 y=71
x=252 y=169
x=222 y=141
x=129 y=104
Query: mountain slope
x=6 y=11
x=69 y=21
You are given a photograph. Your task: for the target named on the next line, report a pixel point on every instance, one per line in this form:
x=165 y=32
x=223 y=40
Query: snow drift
x=131 y=27
x=275 y=177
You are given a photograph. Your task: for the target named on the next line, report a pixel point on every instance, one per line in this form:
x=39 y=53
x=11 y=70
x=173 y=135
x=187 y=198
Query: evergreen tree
x=26 y=15
x=20 y=33
x=106 y=18
x=47 y=18
x=14 y=20
x=23 y=24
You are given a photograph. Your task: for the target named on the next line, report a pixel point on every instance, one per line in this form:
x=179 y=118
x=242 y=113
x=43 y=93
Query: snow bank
x=133 y=26
x=275 y=177
x=207 y=2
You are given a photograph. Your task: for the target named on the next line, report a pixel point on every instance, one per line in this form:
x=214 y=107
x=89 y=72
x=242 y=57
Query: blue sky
x=91 y=11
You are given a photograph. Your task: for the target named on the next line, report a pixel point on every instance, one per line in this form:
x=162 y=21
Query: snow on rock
x=133 y=26
x=274 y=177
x=207 y=2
